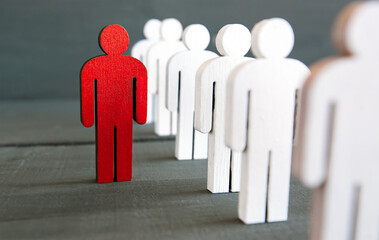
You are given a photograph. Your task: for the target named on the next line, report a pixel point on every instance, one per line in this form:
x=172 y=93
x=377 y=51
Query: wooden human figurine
x=338 y=153
x=232 y=41
x=182 y=67
x=260 y=112
x=151 y=30
x=157 y=58
x=117 y=86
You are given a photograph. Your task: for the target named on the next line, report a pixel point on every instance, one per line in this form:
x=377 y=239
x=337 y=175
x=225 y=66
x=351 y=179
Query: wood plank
x=51 y=122
x=48 y=190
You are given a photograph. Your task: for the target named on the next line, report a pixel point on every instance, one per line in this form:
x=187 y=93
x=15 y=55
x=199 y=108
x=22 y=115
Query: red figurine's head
x=114 y=39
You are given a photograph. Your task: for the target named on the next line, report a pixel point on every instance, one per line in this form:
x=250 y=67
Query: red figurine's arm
x=140 y=94
x=87 y=95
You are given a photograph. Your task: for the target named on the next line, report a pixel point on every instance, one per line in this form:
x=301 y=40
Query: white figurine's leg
x=157 y=127
x=253 y=194
x=367 y=223
x=174 y=122
x=200 y=145
x=236 y=171
x=150 y=107
x=210 y=172
x=162 y=121
x=338 y=210
x=279 y=184
x=218 y=165
x=184 y=137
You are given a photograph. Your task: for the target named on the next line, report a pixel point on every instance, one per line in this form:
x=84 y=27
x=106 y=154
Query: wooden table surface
x=48 y=189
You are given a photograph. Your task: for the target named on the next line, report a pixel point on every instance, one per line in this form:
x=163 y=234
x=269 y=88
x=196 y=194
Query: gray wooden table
x=48 y=189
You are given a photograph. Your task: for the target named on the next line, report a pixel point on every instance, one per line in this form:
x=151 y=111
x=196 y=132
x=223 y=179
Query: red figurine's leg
x=104 y=152
x=124 y=152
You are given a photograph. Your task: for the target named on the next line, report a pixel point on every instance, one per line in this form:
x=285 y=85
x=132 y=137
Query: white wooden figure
x=151 y=30
x=338 y=148
x=233 y=42
x=182 y=67
x=260 y=112
x=157 y=58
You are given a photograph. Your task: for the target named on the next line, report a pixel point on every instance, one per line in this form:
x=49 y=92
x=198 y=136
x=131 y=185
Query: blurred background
x=43 y=43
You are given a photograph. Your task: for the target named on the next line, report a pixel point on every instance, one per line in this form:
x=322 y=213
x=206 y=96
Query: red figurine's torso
x=114 y=88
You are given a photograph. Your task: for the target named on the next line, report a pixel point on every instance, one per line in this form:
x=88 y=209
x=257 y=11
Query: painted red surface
x=118 y=86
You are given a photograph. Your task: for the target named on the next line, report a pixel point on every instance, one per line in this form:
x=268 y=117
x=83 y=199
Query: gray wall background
x=43 y=43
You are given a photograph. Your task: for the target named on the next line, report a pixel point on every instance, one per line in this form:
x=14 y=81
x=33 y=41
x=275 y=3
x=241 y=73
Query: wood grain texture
x=181 y=73
x=339 y=136
x=51 y=193
x=57 y=120
x=157 y=58
x=233 y=41
x=118 y=86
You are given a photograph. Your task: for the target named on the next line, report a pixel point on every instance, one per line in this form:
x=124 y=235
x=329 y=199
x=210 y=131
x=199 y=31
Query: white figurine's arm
x=236 y=111
x=173 y=77
x=301 y=74
x=152 y=68
x=203 y=99
x=311 y=154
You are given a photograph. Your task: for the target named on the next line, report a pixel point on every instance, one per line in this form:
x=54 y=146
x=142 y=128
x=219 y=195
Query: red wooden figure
x=116 y=85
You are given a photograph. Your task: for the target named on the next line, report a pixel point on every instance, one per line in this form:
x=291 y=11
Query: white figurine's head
x=233 y=40
x=356 y=30
x=272 y=38
x=196 y=37
x=171 y=29
x=152 y=28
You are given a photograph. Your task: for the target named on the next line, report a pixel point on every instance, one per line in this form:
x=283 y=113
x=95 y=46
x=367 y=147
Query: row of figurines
x=252 y=117
x=249 y=105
